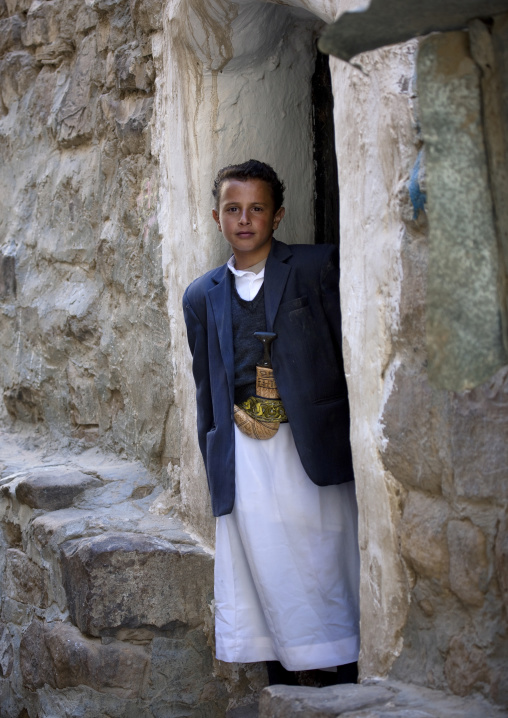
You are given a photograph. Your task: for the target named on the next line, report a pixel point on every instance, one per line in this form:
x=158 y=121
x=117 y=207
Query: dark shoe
x=278 y=676
x=348 y=673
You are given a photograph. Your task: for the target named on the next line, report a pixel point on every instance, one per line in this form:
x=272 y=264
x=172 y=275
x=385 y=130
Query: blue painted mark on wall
x=418 y=198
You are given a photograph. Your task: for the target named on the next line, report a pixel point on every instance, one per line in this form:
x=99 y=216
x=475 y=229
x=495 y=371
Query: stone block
x=423 y=535
x=53 y=528
x=6 y=653
x=132 y=70
x=469 y=566
x=56 y=527
x=17 y=6
x=76 y=115
x=12 y=533
x=147 y=14
x=416 y=426
x=59 y=655
x=480 y=440
x=34 y=659
x=391 y=699
x=464 y=325
x=131 y=580
x=24 y=581
x=465 y=666
x=182 y=675
x=117 y=667
x=24 y=403
x=41 y=23
x=55 y=52
x=18 y=71
x=85 y=399
x=501 y=559
x=53 y=488
x=86 y=19
x=289 y=702
x=10 y=33
x=14 y=612
x=130 y=117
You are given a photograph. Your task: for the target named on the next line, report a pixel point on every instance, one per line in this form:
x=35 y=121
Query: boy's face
x=247 y=219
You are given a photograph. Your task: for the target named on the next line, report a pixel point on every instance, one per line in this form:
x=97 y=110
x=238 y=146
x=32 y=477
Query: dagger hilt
x=266 y=339
x=266 y=387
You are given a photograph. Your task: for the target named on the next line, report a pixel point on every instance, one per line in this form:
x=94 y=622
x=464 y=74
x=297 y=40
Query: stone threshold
x=379 y=699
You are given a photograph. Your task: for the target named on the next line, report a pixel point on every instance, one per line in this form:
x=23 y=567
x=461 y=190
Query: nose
x=244 y=217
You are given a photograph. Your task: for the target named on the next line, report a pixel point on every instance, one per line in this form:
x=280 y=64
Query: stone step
x=135 y=581
x=106 y=604
x=250 y=711
x=383 y=699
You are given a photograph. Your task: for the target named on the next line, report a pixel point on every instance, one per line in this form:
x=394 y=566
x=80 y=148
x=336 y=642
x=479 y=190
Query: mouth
x=245 y=235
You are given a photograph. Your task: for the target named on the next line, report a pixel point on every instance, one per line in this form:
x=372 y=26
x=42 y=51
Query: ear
x=215 y=215
x=279 y=214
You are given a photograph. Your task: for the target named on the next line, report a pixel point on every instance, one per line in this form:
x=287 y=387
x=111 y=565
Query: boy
x=286 y=569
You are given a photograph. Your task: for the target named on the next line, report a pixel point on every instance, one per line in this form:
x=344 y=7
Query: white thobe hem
x=287 y=563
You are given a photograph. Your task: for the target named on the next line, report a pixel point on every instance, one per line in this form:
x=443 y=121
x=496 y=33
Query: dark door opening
x=326 y=180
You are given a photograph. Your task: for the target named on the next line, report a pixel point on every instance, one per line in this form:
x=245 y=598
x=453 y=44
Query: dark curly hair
x=252 y=169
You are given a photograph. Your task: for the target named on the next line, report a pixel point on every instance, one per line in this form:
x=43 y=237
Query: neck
x=244 y=260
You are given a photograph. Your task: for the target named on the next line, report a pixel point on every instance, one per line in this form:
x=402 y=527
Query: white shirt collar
x=257 y=269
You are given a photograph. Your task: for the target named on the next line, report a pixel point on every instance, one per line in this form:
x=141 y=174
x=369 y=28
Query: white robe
x=287 y=560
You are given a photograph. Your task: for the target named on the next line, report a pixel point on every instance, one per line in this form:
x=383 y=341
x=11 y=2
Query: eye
x=232 y=209
x=257 y=209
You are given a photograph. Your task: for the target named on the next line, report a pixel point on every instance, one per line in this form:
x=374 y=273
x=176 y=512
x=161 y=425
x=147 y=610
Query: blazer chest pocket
x=293 y=304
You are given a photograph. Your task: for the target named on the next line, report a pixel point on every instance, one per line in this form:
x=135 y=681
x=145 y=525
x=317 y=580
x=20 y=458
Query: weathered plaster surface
x=376 y=150
x=236 y=85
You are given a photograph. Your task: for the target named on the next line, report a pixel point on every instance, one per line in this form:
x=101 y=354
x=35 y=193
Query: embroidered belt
x=265 y=409
x=260 y=418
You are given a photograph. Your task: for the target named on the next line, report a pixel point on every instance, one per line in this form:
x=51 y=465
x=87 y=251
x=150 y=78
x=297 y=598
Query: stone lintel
x=386 y=22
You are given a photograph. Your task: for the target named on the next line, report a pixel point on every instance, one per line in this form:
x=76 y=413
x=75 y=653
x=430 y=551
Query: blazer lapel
x=220 y=299
x=276 y=276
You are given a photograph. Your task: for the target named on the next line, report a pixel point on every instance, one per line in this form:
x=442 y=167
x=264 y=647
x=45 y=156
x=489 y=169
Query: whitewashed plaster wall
x=235 y=84
x=376 y=149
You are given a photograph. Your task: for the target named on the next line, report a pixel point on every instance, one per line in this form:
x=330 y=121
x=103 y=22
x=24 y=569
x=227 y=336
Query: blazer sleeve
x=198 y=344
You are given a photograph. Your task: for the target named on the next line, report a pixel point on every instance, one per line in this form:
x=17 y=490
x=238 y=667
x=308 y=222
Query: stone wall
x=431 y=465
x=104 y=219
x=84 y=333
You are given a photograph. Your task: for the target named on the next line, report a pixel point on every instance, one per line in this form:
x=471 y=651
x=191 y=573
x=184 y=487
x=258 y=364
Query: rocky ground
x=107 y=608
x=106 y=604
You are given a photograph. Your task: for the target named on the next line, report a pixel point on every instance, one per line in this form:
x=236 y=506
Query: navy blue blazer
x=302 y=306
